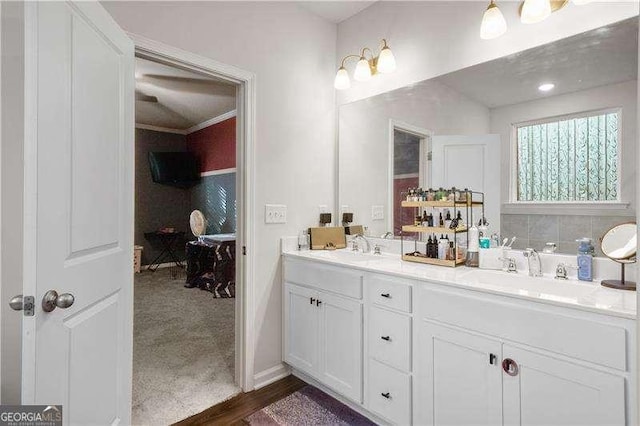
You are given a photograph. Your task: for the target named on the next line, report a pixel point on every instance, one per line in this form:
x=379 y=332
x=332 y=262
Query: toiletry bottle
x=442 y=247
x=447 y=220
x=429 y=248
x=585 y=259
x=441 y=221
x=473 y=258
x=451 y=252
x=430 y=220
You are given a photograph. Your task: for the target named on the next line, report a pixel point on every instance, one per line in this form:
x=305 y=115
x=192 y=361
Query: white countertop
x=587 y=296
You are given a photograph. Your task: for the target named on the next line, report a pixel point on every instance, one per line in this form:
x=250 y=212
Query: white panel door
x=465 y=376
x=301 y=328
x=79 y=211
x=470 y=162
x=547 y=391
x=341 y=345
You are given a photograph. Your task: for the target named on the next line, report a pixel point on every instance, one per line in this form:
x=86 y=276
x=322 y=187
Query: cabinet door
x=463 y=383
x=301 y=328
x=546 y=390
x=341 y=345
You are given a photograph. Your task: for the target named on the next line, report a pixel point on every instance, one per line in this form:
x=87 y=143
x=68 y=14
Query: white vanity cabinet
x=484 y=360
x=323 y=325
x=404 y=350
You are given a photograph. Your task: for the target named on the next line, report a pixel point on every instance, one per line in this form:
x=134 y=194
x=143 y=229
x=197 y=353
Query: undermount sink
x=348 y=256
x=528 y=285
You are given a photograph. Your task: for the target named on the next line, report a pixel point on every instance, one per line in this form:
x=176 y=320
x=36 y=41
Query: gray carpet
x=183 y=349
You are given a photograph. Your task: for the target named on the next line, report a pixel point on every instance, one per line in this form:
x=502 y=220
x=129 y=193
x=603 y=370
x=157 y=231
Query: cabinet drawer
x=389 y=393
x=390 y=292
x=336 y=280
x=390 y=338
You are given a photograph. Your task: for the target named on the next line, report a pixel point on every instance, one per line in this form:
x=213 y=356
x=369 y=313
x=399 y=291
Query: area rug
x=308 y=406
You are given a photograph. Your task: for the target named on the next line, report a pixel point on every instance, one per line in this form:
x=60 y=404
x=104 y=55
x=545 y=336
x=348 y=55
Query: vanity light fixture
x=545 y=87
x=366 y=68
x=493 y=23
x=534 y=11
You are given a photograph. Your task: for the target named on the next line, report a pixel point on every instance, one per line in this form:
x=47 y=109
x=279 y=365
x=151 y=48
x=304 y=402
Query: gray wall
x=158 y=206
x=536 y=230
x=12 y=185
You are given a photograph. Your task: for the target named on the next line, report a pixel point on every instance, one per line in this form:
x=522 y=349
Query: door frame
x=425 y=136
x=245 y=166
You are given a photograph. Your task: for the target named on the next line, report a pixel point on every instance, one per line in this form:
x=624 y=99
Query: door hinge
x=244 y=250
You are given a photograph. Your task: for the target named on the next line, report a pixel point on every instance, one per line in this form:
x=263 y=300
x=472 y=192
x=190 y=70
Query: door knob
x=52 y=300
x=16 y=303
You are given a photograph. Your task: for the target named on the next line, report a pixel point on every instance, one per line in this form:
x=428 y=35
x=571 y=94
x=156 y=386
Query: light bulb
x=545 y=87
x=363 y=70
x=534 y=11
x=342 y=80
x=493 y=23
x=386 y=61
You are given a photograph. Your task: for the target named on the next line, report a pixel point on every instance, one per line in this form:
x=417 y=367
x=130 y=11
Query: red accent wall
x=401 y=185
x=215 y=145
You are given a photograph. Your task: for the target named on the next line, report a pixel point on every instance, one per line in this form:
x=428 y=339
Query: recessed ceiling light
x=546 y=87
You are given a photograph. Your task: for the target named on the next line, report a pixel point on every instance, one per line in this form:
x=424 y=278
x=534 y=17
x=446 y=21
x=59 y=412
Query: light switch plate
x=275 y=213
x=345 y=209
x=377 y=212
x=323 y=208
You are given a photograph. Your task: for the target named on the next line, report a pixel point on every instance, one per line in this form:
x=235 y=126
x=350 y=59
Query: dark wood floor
x=232 y=411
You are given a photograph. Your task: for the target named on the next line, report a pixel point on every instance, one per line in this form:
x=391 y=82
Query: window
x=572 y=159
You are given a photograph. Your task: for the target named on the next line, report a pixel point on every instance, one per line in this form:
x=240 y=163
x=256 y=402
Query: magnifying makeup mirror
x=619 y=244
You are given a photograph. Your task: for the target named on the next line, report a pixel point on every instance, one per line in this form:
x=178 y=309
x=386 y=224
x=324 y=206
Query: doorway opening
x=410 y=166
x=187 y=236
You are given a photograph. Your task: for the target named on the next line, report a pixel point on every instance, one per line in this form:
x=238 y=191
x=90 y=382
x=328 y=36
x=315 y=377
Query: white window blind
x=567 y=160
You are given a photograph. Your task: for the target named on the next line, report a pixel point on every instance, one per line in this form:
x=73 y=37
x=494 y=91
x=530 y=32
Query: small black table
x=167 y=241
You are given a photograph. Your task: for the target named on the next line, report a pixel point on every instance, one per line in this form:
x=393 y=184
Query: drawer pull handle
x=492 y=359
x=318 y=302
x=510 y=367
x=386 y=395
x=312 y=300
x=387 y=295
x=387 y=338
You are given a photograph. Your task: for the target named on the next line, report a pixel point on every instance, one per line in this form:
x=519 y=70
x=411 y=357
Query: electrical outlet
x=275 y=213
x=377 y=212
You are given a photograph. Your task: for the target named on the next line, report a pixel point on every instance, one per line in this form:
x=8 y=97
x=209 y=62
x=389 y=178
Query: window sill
x=579 y=209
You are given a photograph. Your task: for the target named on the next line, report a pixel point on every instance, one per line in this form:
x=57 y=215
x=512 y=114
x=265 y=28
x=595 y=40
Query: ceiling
x=336 y=11
x=184 y=98
x=607 y=55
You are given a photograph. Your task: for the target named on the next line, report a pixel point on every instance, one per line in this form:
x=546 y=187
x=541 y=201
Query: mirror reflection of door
x=410 y=167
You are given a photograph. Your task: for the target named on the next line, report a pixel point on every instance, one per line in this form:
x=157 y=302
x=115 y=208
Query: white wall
x=622 y=95
x=364 y=139
x=11 y=190
x=292 y=53
x=430 y=38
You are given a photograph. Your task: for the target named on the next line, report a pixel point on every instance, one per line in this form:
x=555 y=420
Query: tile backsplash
x=536 y=230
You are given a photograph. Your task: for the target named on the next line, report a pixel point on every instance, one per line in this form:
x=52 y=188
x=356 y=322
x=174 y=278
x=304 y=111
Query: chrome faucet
x=386 y=235
x=534 y=262
x=367 y=248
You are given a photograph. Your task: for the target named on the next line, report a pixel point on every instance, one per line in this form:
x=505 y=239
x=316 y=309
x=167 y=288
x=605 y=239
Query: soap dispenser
x=585 y=259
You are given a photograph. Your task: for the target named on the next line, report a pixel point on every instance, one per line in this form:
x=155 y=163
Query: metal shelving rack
x=473 y=199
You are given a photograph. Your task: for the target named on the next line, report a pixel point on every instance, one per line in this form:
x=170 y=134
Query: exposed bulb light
x=493 y=23
x=386 y=60
x=545 y=87
x=534 y=11
x=363 y=70
x=342 y=81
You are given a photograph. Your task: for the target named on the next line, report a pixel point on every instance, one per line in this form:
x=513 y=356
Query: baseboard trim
x=270 y=375
x=160 y=266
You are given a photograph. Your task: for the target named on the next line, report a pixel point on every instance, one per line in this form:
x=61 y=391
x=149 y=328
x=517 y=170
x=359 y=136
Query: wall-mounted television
x=179 y=169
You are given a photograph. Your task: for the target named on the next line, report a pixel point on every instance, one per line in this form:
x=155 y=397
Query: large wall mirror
x=548 y=134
